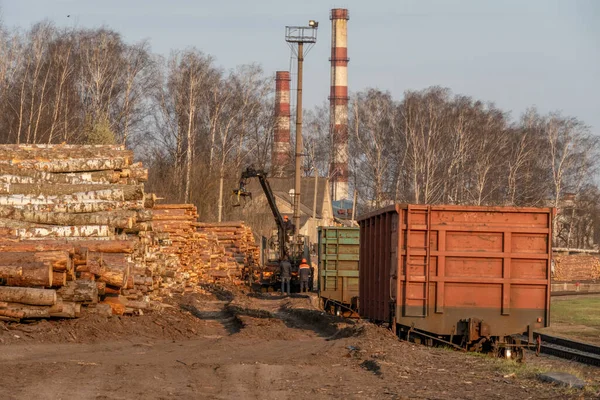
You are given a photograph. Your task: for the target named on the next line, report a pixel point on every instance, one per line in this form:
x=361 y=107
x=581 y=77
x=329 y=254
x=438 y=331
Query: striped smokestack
x=280 y=154
x=338 y=100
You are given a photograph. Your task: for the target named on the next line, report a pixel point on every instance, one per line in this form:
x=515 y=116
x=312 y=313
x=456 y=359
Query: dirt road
x=242 y=347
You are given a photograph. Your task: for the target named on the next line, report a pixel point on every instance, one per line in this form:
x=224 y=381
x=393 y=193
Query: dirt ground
x=239 y=345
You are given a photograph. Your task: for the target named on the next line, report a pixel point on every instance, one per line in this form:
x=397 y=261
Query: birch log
x=80 y=197
x=117 y=219
x=130 y=192
x=71 y=164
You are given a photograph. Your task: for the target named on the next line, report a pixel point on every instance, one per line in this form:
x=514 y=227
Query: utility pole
x=298 y=35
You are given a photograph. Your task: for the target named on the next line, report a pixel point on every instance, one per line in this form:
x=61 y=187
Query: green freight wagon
x=338 y=269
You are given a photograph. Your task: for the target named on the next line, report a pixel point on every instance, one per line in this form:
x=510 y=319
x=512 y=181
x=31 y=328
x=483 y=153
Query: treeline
x=196 y=125
x=433 y=147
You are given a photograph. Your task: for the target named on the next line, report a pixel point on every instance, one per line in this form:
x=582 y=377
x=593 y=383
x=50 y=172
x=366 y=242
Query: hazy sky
x=516 y=53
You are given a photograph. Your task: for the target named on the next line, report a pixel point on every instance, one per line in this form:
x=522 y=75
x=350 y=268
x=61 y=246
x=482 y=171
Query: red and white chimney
x=338 y=101
x=280 y=153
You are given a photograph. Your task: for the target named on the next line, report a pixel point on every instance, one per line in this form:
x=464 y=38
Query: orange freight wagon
x=463 y=274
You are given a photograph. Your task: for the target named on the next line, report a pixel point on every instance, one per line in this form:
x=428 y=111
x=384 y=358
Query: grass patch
x=576 y=311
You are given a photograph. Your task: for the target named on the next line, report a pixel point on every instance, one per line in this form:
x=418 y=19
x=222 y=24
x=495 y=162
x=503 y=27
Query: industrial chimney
x=280 y=154
x=338 y=101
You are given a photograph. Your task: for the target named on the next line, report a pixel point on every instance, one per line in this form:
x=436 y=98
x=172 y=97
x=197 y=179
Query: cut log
x=93 y=263
x=116 y=304
x=12 y=315
x=111 y=290
x=130 y=192
x=149 y=200
x=143 y=215
x=12 y=271
x=141 y=227
x=141 y=305
x=72 y=164
x=118 y=219
x=80 y=291
x=13 y=174
x=58 y=310
x=58 y=260
x=138 y=172
x=19 y=152
x=59 y=278
x=32 y=296
x=91 y=206
x=84 y=231
x=96 y=195
x=86 y=276
x=115 y=270
x=175 y=206
x=35 y=246
x=68 y=310
x=108 y=246
x=101 y=288
x=33 y=274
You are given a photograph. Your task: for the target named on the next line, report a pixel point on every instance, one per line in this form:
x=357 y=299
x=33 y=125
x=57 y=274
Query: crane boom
x=266 y=187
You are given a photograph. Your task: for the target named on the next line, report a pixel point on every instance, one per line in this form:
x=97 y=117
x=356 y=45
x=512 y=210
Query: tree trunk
x=14 y=174
x=40 y=297
x=115 y=269
x=72 y=164
x=79 y=208
x=10 y=271
x=58 y=310
x=57 y=260
x=59 y=278
x=79 y=291
x=104 y=246
x=117 y=219
x=33 y=274
x=84 y=231
x=130 y=192
x=110 y=194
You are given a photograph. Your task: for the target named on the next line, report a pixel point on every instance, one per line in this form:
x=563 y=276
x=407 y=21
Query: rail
x=569 y=349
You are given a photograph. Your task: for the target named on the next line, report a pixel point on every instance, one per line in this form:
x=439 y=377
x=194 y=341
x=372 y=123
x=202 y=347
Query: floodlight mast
x=299 y=35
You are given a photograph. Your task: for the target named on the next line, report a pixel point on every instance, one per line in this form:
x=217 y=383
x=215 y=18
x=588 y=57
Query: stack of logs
x=77 y=228
x=73 y=219
x=185 y=244
x=239 y=249
x=576 y=267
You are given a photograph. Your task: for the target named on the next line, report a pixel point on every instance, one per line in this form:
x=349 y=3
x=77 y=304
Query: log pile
x=184 y=246
x=74 y=220
x=239 y=249
x=76 y=227
x=576 y=267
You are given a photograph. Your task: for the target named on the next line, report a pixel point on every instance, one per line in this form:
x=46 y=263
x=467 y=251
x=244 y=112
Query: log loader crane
x=282 y=243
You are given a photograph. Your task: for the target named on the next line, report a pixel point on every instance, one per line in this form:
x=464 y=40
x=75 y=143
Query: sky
x=515 y=53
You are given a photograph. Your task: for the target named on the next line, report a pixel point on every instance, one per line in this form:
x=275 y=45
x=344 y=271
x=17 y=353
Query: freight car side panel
x=458 y=263
x=378 y=263
x=338 y=264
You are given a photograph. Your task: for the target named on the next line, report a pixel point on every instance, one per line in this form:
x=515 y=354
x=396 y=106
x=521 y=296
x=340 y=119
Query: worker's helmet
x=304 y=260
x=285 y=217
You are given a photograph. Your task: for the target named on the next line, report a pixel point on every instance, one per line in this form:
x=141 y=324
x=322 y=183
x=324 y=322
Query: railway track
x=569 y=349
x=559 y=294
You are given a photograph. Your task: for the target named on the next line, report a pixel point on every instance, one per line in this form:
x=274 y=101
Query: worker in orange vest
x=304 y=272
